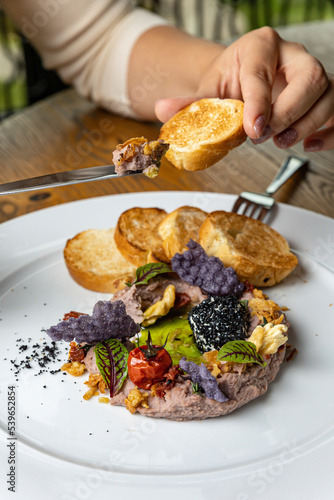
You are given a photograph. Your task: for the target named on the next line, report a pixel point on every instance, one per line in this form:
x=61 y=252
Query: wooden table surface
x=67 y=132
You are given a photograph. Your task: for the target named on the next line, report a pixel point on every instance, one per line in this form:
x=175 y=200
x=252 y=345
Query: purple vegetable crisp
x=209 y=273
x=199 y=374
x=108 y=320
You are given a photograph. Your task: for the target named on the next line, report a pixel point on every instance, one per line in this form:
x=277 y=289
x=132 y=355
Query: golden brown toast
x=137 y=237
x=94 y=262
x=178 y=227
x=256 y=251
x=203 y=132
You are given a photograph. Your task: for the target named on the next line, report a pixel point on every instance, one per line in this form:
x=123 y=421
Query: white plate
x=67 y=448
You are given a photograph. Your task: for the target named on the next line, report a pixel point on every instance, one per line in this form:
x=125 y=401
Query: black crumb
x=32 y=355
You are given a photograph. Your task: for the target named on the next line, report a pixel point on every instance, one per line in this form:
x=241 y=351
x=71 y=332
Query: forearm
x=166 y=62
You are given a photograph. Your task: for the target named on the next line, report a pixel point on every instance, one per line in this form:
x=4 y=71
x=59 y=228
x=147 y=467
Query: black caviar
x=218 y=320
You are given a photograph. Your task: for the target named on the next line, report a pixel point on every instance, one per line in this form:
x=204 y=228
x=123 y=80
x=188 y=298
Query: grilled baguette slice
x=137 y=237
x=203 y=133
x=94 y=262
x=178 y=227
x=256 y=251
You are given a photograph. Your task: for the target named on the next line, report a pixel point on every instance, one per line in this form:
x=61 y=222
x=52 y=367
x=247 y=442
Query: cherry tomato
x=146 y=369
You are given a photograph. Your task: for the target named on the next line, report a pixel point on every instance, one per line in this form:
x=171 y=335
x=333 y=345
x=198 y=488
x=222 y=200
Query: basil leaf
x=112 y=361
x=240 y=351
x=145 y=273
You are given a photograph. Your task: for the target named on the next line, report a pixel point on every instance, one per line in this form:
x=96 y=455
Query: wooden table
x=68 y=132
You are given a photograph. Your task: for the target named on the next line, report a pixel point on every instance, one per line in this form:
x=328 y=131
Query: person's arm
x=88 y=43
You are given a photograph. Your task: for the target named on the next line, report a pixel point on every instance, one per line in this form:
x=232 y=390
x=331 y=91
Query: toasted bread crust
x=256 y=251
x=137 y=238
x=94 y=262
x=178 y=227
x=204 y=132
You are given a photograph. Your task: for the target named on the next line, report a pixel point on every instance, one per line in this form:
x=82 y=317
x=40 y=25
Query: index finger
x=258 y=62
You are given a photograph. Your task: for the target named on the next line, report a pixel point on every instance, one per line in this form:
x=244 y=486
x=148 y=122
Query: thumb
x=166 y=108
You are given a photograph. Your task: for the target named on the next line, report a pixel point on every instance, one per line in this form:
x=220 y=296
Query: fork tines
x=253 y=205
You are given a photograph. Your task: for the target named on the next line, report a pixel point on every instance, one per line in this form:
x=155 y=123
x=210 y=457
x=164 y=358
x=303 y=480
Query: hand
x=286 y=91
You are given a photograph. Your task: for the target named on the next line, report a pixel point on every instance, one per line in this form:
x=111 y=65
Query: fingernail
x=313 y=145
x=267 y=132
x=259 y=125
x=287 y=138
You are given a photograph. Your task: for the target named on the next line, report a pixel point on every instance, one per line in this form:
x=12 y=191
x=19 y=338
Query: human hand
x=286 y=91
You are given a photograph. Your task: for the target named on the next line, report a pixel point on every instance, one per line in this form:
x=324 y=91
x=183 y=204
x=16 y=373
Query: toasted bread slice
x=257 y=252
x=203 y=132
x=137 y=237
x=94 y=262
x=178 y=227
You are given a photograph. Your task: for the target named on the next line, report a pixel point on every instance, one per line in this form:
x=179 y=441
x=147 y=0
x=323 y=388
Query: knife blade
x=61 y=179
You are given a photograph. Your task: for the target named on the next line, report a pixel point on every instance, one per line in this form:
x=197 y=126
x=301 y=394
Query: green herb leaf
x=111 y=359
x=86 y=347
x=244 y=303
x=240 y=351
x=264 y=321
x=197 y=389
x=145 y=273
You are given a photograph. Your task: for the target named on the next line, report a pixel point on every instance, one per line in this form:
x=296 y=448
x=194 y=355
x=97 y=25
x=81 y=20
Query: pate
x=200 y=355
x=139 y=155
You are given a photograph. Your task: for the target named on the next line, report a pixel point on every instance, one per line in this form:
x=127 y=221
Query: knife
x=62 y=179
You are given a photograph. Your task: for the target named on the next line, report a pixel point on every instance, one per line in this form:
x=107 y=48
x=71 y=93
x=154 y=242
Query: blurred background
x=23 y=80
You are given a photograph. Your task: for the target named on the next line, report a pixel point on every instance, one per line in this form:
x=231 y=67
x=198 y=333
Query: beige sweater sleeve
x=87 y=42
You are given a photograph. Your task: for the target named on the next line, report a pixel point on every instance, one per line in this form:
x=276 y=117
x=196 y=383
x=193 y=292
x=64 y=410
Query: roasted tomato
x=148 y=364
x=76 y=353
x=72 y=314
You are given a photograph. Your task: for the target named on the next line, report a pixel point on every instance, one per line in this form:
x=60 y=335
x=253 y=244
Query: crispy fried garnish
x=268 y=338
x=263 y=308
x=214 y=369
x=90 y=393
x=74 y=368
x=278 y=320
x=258 y=294
x=213 y=365
x=226 y=367
x=231 y=367
x=96 y=386
x=93 y=379
x=155 y=389
x=160 y=308
x=135 y=399
x=104 y=400
x=131 y=151
x=102 y=386
x=210 y=356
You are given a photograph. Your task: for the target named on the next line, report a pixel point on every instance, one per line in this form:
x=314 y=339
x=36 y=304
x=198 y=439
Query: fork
x=264 y=202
